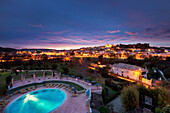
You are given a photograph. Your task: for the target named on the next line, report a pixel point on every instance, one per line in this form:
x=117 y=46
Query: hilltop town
x=138 y=51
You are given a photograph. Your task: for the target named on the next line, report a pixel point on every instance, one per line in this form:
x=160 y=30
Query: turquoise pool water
x=39 y=101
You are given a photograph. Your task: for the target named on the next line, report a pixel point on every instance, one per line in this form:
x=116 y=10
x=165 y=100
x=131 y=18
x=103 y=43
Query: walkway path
x=118 y=108
x=162 y=74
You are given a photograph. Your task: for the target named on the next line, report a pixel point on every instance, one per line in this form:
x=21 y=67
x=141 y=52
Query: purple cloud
x=113 y=31
x=131 y=33
x=37 y=25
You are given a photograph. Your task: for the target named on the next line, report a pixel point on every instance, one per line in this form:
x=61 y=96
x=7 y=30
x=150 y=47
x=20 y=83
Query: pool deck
x=93 y=88
x=71 y=104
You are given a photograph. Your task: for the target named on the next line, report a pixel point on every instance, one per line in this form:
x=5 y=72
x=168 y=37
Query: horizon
x=76 y=24
x=82 y=47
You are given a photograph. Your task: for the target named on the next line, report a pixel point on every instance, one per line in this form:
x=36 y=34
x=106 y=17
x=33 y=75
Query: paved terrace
x=84 y=84
x=71 y=104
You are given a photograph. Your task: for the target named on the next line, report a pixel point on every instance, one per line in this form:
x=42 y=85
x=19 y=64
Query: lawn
x=111 y=91
x=101 y=81
x=117 y=82
x=3 y=82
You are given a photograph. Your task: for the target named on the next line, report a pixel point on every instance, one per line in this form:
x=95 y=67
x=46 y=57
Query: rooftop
x=128 y=66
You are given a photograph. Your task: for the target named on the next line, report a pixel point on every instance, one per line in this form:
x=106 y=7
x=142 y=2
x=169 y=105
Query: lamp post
x=12 y=82
x=34 y=76
x=21 y=77
x=24 y=79
x=52 y=74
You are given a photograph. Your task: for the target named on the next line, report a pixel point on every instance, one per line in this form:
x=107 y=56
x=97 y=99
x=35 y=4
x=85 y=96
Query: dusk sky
x=65 y=24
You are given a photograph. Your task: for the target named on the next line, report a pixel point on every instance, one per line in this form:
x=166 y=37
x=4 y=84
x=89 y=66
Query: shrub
x=103 y=109
x=100 y=100
x=105 y=95
x=157 y=110
x=166 y=109
x=130 y=97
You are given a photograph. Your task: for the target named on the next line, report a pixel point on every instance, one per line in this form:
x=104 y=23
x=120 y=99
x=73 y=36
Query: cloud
x=167 y=31
x=148 y=29
x=113 y=31
x=131 y=33
x=37 y=25
x=55 y=33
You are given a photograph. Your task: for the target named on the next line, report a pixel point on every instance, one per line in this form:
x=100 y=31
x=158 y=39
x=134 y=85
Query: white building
x=131 y=72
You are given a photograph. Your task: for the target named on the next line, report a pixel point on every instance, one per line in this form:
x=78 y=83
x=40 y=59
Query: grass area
x=117 y=82
x=111 y=91
x=3 y=82
x=101 y=81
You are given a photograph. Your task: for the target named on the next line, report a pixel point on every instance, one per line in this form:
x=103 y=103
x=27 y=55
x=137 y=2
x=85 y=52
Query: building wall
x=131 y=74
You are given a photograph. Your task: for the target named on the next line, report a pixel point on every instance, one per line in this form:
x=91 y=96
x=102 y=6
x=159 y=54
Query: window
x=143 y=73
x=148 y=100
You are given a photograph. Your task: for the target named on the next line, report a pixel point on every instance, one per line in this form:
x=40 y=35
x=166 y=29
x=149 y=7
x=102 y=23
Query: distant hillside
x=7 y=49
x=37 y=50
x=2 y=49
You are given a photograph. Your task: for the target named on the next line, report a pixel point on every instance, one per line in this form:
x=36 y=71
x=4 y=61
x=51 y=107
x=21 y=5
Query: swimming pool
x=39 y=101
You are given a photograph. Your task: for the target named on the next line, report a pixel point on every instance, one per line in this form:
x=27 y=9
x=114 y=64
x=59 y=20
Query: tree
x=6 y=57
x=130 y=97
x=72 y=53
x=167 y=58
x=18 y=62
x=131 y=59
x=105 y=95
x=66 y=70
x=166 y=109
x=104 y=72
x=100 y=59
x=39 y=51
x=112 y=55
x=163 y=97
x=103 y=109
x=31 y=62
x=45 y=57
x=54 y=66
x=8 y=80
